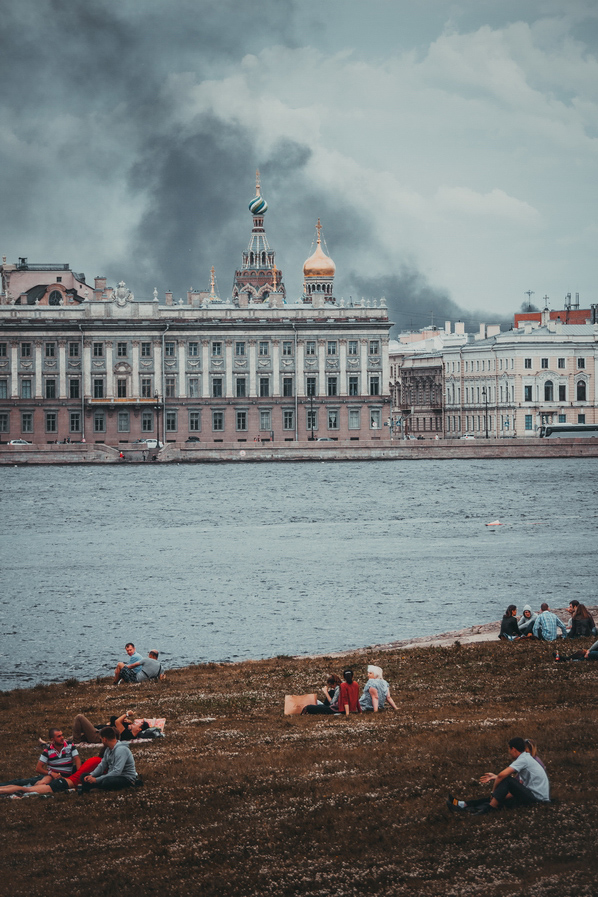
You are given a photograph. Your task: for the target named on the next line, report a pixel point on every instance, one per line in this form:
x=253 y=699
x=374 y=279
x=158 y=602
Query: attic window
x=55 y=297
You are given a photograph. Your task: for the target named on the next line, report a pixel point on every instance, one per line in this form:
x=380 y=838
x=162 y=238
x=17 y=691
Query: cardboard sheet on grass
x=153 y=723
x=295 y=703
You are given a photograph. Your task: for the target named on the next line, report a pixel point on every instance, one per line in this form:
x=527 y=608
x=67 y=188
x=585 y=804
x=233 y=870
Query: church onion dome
x=319 y=264
x=258 y=205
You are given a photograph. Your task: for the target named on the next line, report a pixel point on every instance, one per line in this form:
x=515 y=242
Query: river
x=235 y=561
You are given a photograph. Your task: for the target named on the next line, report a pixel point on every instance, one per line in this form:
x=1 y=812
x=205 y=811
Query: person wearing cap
x=376 y=691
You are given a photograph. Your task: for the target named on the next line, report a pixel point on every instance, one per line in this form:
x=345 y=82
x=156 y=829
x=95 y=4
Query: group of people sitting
x=545 y=625
x=342 y=696
x=137 y=668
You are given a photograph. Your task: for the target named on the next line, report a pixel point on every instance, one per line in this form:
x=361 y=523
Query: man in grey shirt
x=117 y=769
x=150 y=668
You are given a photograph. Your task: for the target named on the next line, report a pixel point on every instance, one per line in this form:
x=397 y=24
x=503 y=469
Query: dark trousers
x=31 y=781
x=522 y=796
x=110 y=783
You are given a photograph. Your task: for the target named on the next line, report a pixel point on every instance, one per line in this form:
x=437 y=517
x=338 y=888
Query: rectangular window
x=50 y=389
x=4 y=388
x=310 y=347
x=216 y=350
x=331 y=347
x=51 y=422
x=194 y=421
x=193 y=350
x=374 y=386
x=171 y=422
x=312 y=419
x=50 y=350
x=241 y=387
x=241 y=420
x=265 y=420
x=146 y=350
x=73 y=350
x=74 y=389
x=121 y=350
x=529 y=425
x=353 y=386
x=527 y=394
x=123 y=421
x=562 y=392
x=217 y=387
x=354 y=415
x=98 y=389
x=4 y=422
x=25 y=350
x=544 y=363
x=146 y=387
x=581 y=418
x=287 y=386
x=331 y=387
x=263 y=348
x=288 y=419
x=562 y=418
x=375 y=419
x=332 y=419
x=527 y=363
x=240 y=350
x=27 y=422
x=170 y=387
x=98 y=350
x=374 y=347
x=99 y=422
x=581 y=362
x=287 y=347
x=310 y=386
x=121 y=388
x=193 y=387
x=561 y=363
x=75 y=422
x=264 y=387
x=169 y=349
x=218 y=420
x=2 y=350
x=25 y=389
x=147 y=422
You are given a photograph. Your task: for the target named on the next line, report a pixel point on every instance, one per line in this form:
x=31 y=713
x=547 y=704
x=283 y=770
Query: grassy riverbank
x=255 y=803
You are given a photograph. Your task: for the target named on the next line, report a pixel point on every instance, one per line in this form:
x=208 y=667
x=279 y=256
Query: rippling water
x=233 y=561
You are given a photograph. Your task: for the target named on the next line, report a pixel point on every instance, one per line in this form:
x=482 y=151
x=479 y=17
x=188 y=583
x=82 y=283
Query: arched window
x=581 y=391
x=55 y=297
x=548 y=391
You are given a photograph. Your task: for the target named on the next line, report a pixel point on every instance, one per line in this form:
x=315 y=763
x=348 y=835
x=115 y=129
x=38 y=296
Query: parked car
x=192 y=439
x=468 y=436
x=325 y=439
x=19 y=442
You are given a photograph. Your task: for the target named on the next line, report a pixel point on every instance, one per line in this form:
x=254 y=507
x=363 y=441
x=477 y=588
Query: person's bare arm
x=374 y=696
x=391 y=702
x=490 y=777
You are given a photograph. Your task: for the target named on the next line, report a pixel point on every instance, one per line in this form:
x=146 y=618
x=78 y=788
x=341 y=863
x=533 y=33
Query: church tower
x=258 y=277
x=318 y=275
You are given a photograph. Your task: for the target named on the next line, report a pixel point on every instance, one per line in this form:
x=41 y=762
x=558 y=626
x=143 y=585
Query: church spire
x=258 y=276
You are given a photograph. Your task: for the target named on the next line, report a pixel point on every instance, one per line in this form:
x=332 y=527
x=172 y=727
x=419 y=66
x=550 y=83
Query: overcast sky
x=449 y=148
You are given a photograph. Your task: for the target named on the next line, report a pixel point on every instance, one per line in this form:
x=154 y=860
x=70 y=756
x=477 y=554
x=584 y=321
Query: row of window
x=313 y=418
x=240 y=347
x=509 y=363
x=549 y=392
x=561 y=363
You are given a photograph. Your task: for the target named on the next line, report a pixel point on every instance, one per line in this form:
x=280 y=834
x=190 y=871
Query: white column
x=343 y=368
x=365 y=386
x=205 y=369
x=275 y=367
x=136 y=384
x=300 y=369
x=182 y=390
x=62 y=369
x=252 y=368
x=158 y=370
x=322 y=367
x=14 y=366
x=86 y=368
x=38 y=370
x=109 y=372
x=384 y=386
x=228 y=368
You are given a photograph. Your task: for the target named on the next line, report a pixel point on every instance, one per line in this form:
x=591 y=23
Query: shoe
x=453 y=804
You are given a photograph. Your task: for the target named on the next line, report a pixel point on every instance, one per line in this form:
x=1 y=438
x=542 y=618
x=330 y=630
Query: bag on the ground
x=294 y=704
x=151 y=732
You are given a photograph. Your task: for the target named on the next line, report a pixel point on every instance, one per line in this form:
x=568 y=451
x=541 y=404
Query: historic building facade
x=96 y=364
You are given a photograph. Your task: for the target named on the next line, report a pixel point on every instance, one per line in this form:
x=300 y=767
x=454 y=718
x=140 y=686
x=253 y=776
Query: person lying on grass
x=523 y=783
x=53 y=783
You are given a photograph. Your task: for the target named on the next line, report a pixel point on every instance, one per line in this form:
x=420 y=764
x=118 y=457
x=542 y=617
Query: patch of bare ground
x=240 y=800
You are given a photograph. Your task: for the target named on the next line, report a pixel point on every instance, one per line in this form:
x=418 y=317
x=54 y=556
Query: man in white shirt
x=523 y=782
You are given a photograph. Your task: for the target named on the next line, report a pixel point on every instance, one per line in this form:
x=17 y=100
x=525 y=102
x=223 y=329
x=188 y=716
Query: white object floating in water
x=495 y=523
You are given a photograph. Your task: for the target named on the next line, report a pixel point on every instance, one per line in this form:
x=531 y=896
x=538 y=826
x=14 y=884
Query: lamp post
x=485 y=397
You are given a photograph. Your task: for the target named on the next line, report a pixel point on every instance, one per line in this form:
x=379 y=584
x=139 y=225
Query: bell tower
x=258 y=276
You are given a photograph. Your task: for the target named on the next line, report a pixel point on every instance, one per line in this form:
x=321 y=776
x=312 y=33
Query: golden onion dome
x=319 y=264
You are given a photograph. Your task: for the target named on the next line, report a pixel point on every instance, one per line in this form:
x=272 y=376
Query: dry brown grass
x=255 y=803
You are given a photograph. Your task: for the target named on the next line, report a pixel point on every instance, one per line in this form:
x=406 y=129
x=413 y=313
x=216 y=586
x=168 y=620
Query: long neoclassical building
x=81 y=362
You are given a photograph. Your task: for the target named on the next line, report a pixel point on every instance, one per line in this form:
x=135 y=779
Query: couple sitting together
x=343 y=696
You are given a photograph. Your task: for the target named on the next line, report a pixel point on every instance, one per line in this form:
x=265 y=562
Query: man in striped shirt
x=58 y=757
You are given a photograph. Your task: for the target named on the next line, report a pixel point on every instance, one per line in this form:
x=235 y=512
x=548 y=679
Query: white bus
x=572 y=431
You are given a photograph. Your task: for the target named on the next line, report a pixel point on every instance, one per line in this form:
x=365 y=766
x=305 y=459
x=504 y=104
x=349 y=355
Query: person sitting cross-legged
x=545 y=627
x=117 y=769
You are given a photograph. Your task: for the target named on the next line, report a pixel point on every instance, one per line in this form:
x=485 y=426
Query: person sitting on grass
x=509 y=630
x=526 y=622
x=53 y=783
x=582 y=622
x=117 y=767
x=330 y=703
x=523 y=783
x=545 y=627
x=348 y=699
x=376 y=692
x=127 y=672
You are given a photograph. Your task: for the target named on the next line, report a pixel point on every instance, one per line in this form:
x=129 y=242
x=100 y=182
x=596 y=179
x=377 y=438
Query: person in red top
x=348 y=699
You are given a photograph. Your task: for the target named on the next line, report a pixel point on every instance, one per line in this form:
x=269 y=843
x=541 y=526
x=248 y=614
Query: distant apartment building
x=93 y=363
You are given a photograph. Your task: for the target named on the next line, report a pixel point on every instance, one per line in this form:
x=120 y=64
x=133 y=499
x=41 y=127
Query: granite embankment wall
x=300 y=451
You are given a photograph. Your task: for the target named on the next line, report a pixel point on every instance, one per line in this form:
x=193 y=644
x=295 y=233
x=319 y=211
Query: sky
x=449 y=148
